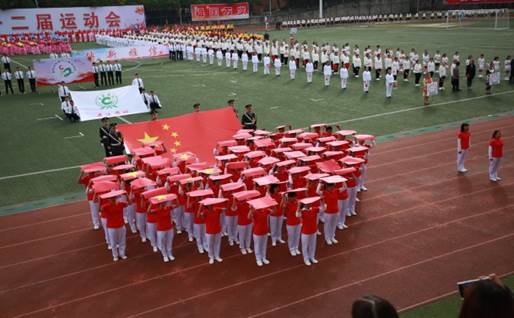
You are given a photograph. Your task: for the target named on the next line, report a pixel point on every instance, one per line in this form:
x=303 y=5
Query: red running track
x=421 y=228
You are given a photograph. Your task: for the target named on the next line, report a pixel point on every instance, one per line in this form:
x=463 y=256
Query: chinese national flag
x=194 y=132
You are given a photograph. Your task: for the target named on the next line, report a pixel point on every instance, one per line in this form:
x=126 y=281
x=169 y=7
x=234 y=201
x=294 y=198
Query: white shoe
x=243 y=251
x=155 y=249
x=124 y=257
x=265 y=261
x=230 y=242
x=259 y=263
x=329 y=242
x=298 y=252
x=219 y=259
x=200 y=250
x=190 y=239
x=357 y=200
x=318 y=233
x=493 y=179
x=249 y=250
x=171 y=257
x=335 y=241
x=498 y=178
x=133 y=231
x=179 y=232
x=314 y=261
x=211 y=261
x=273 y=244
x=143 y=240
x=109 y=247
x=293 y=252
x=348 y=213
x=307 y=262
x=354 y=213
x=96 y=227
x=345 y=226
x=115 y=259
x=363 y=188
x=340 y=226
x=281 y=241
x=166 y=259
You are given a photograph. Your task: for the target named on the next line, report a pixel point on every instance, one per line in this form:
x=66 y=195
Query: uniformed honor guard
x=96 y=70
x=20 y=80
x=7 y=77
x=138 y=82
x=69 y=109
x=105 y=131
x=103 y=73
x=116 y=141
x=7 y=62
x=31 y=75
x=62 y=90
x=110 y=73
x=154 y=103
x=249 y=120
x=117 y=70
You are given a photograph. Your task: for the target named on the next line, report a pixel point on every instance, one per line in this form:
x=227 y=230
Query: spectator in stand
x=371 y=306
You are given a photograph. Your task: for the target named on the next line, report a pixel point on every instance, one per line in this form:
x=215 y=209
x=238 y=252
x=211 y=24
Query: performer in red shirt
x=244 y=224
x=342 y=201
x=330 y=195
x=260 y=210
x=165 y=232
x=277 y=215
x=309 y=215
x=112 y=208
x=463 y=145
x=211 y=209
x=495 y=155
x=290 y=206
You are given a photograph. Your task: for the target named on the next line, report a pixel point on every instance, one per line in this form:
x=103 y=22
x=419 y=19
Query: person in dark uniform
x=154 y=103
x=95 y=74
x=249 y=119
x=105 y=131
x=116 y=141
x=470 y=73
x=103 y=73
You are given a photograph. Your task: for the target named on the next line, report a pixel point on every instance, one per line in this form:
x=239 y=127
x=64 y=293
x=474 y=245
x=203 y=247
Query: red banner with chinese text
x=220 y=11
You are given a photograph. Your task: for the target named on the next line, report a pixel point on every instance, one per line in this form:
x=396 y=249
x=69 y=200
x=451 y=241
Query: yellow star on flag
x=184 y=156
x=132 y=174
x=209 y=171
x=161 y=197
x=177 y=143
x=174 y=134
x=174 y=150
x=148 y=139
x=165 y=127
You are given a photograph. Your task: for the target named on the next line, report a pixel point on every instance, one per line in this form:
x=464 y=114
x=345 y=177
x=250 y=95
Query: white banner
x=122 y=53
x=71 y=19
x=108 y=103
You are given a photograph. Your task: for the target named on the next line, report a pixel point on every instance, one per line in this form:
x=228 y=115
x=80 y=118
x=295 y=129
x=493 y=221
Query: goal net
x=497 y=19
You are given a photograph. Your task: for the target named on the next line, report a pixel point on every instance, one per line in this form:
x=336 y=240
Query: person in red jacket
x=290 y=206
x=495 y=155
x=309 y=215
x=260 y=210
x=463 y=146
x=165 y=226
x=330 y=197
x=115 y=202
x=211 y=210
x=244 y=223
x=342 y=200
x=277 y=215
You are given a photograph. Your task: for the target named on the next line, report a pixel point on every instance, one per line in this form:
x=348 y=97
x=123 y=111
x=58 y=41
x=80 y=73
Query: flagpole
x=321 y=9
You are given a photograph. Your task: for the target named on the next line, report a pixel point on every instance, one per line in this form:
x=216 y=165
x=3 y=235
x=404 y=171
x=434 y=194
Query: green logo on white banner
x=107 y=101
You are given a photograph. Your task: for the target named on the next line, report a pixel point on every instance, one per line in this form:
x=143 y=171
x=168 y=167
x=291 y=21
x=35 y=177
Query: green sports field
x=33 y=140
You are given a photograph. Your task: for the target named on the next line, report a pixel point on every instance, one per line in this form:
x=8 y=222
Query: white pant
x=201 y=242
x=211 y=59
x=292 y=74
x=235 y=63
x=255 y=67
x=178 y=217
x=245 y=235
x=461 y=157
x=220 y=62
x=277 y=71
x=308 y=246
x=228 y=62
x=352 y=196
x=360 y=181
x=309 y=77
x=275 y=223
x=266 y=69
x=342 y=211
x=327 y=80
x=151 y=233
x=293 y=236
x=165 y=242
x=95 y=217
x=245 y=65
x=344 y=83
x=389 y=90
x=259 y=245
x=129 y=211
x=365 y=86
x=231 y=226
x=141 y=224
x=213 y=245
x=104 y=227
x=118 y=239
x=329 y=227
x=188 y=224
x=494 y=163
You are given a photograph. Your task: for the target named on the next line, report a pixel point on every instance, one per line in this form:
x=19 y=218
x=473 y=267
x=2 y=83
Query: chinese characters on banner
x=122 y=53
x=71 y=19
x=220 y=11
x=457 y=2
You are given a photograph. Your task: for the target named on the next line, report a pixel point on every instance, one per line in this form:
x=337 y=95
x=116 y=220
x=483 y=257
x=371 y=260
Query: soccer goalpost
x=496 y=19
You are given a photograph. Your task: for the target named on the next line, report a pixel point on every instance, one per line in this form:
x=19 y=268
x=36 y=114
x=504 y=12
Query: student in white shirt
x=31 y=75
x=117 y=71
x=481 y=66
x=244 y=60
x=255 y=62
x=431 y=67
x=356 y=65
x=210 y=53
x=138 y=82
x=266 y=63
x=278 y=66
x=7 y=78
x=154 y=104
x=395 y=68
x=292 y=69
x=235 y=60
x=219 y=57
x=228 y=59
x=389 y=78
x=63 y=91
x=378 y=67
x=343 y=74
x=20 y=80
x=418 y=70
x=442 y=76
x=6 y=61
x=69 y=109
x=406 y=69
x=309 y=70
x=366 y=79
x=327 y=73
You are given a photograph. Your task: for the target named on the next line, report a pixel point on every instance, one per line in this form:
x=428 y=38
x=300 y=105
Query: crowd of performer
x=260 y=181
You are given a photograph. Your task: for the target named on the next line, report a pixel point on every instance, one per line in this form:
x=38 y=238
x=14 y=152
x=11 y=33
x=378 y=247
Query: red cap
x=112 y=194
x=95 y=169
x=262 y=203
x=344 y=144
x=210 y=171
x=266 y=180
x=318 y=125
x=242 y=136
x=281 y=150
x=294 y=154
x=213 y=201
x=143 y=152
x=158 y=199
x=363 y=137
x=227 y=143
x=358 y=149
x=264 y=142
x=316 y=149
x=242 y=131
x=197 y=166
x=288 y=140
x=332 y=154
x=310 y=200
x=326 y=139
x=297 y=190
x=294 y=132
x=286 y=163
x=260 y=132
x=190 y=180
x=114 y=160
x=107 y=177
x=236 y=166
x=308 y=136
x=308 y=159
x=104 y=186
x=346 y=132
x=246 y=195
x=168 y=171
x=200 y=193
x=92 y=165
x=333 y=179
x=328 y=166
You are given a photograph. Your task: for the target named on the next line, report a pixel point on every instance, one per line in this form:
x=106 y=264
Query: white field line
x=124 y=120
x=80 y=135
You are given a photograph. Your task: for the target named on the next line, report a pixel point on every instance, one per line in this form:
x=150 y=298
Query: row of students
x=19 y=76
x=107 y=74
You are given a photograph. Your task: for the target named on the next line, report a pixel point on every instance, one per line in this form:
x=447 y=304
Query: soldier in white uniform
x=20 y=80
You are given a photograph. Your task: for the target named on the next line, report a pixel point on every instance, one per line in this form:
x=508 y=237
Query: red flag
x=194 y=132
